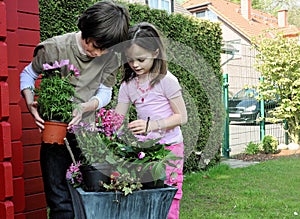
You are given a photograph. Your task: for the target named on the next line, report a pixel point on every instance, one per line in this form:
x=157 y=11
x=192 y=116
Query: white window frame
x=159 y=5
x=208 y=15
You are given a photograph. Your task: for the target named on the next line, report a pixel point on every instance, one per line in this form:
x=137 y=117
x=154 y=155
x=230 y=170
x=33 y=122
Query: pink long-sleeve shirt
x=154 y=103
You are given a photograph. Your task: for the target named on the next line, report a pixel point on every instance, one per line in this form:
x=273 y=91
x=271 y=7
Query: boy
x=102 y=26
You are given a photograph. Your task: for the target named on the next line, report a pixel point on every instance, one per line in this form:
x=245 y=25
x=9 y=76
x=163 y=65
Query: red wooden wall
x=21 y=186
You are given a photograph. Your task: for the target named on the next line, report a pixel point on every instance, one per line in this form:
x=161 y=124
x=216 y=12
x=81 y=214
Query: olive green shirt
x=93 y=71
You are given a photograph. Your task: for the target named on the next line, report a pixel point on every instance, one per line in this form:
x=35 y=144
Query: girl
x=156 y=94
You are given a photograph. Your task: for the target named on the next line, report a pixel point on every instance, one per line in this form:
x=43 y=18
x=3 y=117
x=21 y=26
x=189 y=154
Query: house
x=171 y=6
x=240 y=23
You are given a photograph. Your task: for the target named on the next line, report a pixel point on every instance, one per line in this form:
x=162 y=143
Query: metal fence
x=239 y=73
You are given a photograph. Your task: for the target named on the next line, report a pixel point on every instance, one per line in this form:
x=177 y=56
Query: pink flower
x=75 y=70
x=108 y=122
x=141 y=155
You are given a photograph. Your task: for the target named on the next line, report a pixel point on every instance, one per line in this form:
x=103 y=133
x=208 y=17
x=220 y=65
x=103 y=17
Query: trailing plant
x=123 y=183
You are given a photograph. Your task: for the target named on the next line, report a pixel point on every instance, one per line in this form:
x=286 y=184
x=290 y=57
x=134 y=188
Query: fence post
x=225 y=146
x=262 y=124
x=286 y=134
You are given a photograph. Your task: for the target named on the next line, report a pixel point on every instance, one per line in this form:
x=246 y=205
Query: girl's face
x=139 y=59
x=90 y=48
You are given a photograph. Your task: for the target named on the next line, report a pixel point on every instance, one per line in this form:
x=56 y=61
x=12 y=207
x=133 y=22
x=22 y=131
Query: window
x=208 y=15
x=201 y=14
x=161 y=4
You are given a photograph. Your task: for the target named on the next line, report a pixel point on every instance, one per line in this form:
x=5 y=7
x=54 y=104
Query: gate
x=245 y=116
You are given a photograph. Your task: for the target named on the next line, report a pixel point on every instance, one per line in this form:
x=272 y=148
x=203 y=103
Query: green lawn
x=266 y=190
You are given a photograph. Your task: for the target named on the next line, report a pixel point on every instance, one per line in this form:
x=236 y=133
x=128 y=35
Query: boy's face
x=90 y=48
x=139 y=59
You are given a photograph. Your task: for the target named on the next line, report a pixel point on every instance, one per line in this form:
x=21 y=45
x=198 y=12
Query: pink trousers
x=175 y=178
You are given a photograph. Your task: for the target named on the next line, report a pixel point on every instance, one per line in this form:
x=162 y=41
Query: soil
x=264 y=157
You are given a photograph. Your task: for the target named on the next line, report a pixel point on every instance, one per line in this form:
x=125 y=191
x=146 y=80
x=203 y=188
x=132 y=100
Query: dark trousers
x=55 y=160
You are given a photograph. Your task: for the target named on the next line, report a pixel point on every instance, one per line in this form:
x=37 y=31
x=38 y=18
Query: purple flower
x=56 y=65
x=73 y=70
x=141 y=155
x=141 y=138
x=68 y=175
x=73 y=174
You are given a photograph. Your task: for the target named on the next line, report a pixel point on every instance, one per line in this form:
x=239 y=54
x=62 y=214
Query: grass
x=269 y=189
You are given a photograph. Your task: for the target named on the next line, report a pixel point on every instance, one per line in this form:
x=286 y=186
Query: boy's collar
x=79 y=44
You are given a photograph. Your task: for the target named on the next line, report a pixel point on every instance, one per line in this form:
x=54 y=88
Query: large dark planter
x=94 y=177
x=142 y=204
x=149 y=182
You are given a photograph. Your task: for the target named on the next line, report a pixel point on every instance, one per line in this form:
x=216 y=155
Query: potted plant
x=134 y=161
x=55 y=99
x=111 y=142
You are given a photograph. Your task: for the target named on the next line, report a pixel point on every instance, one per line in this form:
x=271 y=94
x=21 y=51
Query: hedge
x=194 y=53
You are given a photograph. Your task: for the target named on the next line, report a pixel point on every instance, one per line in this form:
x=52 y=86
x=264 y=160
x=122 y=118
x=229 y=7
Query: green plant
x=252 y=148
x=95 y=146
x=56 y=93
x=269 y=144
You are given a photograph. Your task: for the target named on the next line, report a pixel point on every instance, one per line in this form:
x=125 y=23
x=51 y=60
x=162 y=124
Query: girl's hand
x=32 y=107
x=138 y=126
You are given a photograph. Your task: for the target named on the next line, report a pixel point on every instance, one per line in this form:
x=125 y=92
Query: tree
x=279 y=64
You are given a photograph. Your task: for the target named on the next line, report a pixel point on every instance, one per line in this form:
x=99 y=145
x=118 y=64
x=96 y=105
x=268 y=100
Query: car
x=244 y=106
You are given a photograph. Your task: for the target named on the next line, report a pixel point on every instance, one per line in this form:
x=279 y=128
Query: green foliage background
x=194 y=49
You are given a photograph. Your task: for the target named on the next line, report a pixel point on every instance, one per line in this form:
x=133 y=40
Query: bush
x=252 y=148
x=269 y=144
x=194 y=53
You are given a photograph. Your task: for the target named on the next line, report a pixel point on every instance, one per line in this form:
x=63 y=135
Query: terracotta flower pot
x=54 y=132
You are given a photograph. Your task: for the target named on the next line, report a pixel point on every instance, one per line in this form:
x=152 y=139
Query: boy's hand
x=32 y=107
